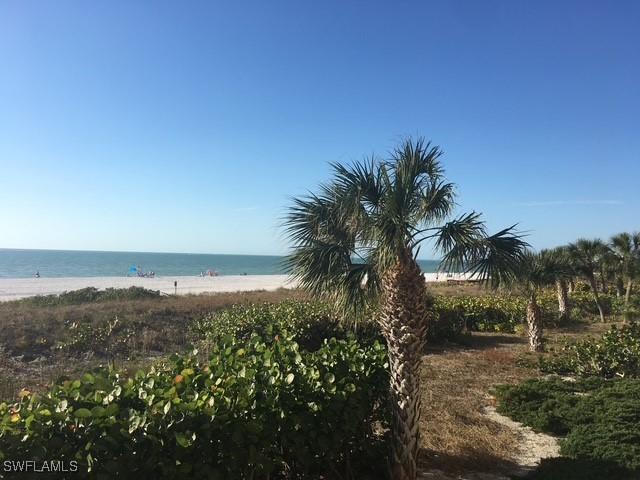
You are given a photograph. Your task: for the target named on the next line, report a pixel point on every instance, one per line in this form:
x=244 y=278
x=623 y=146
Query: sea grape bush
x=503 y=313
x=615 y=354
x=488 y=313
x=584 y=304
x=310 y=323
x=258 y=408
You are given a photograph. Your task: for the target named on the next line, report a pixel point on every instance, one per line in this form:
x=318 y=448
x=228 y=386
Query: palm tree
x=586 y=256
x=355 y=243
x=563 y=281
x=626 y=247
x=609 y=268
x=537 y=271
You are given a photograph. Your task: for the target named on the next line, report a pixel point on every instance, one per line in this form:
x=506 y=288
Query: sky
x=189 y=126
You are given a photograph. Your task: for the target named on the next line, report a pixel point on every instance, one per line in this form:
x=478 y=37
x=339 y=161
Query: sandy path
x=533 y=447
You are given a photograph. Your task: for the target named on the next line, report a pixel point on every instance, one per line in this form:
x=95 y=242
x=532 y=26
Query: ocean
x=74 y=263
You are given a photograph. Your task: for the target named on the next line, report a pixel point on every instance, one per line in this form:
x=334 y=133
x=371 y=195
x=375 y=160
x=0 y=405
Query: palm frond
x=437 y=202
x=327 y=231
x=538 y=270
x=457 y=240
x=379 y=211
x=586 y=255
x=328 y=271
x=495 y=259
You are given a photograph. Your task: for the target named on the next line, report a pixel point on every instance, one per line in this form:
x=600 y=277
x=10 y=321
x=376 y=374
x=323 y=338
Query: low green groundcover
x=615 y=354
x=599 y=419
x=90 y=295
x=258 y=408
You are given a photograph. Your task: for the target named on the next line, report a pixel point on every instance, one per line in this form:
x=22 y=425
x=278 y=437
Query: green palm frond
x=586 y=256
x=374 y=212
x=438 y=201
x=626 y=248
x=539 y=270
x=457 y=239
x=496 y=258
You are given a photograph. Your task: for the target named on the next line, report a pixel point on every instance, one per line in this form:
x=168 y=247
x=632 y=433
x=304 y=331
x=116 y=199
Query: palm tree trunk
x=627 y=295
x=594 y=288
x=534 y=320
x=563 y=300
x=619 y=287
x=572 y=285
x=603 y=280
x=403 y=320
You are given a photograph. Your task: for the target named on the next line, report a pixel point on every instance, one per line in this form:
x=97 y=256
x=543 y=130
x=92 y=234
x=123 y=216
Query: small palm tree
x=609 y=268
x=626 y=247
x=355 y=243
x=586 y=257
x=563 y=281
x=537 y=271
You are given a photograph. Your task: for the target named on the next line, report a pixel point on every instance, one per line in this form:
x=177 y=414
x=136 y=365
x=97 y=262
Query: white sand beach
x=16 y=288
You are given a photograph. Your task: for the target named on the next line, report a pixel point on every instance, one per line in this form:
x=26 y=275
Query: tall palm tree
x=586 y=257
x=355 y=242
x=537 y=271
x=626 y=247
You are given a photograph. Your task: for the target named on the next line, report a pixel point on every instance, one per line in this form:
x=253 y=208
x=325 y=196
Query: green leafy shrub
x=583 y=303
x=309 y=322
x=482 y=313
x=488 y=313
x=259 y=408
x=90 y=295
x=600 y=418
x=616 y=353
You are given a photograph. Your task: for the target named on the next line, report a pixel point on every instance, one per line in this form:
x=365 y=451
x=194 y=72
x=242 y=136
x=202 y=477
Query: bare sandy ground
x=533 y=448
x=15 y=288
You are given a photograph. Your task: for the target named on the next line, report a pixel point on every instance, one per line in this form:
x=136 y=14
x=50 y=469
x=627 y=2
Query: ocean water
x=72 y=263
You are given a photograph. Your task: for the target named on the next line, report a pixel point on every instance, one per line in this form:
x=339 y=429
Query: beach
x=16 y=288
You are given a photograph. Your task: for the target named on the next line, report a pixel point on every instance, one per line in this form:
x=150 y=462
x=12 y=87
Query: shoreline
x=17 y=288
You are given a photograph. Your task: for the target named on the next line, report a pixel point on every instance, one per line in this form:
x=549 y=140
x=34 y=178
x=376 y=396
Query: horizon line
x=159 y=253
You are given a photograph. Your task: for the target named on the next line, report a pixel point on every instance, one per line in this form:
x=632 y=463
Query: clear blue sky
x=187 y=126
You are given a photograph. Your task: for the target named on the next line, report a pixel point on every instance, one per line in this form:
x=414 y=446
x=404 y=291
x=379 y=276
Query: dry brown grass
x=456 y=436
x=30 y=330
x=455 y=289
x=457 y=383
x=29 y=356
